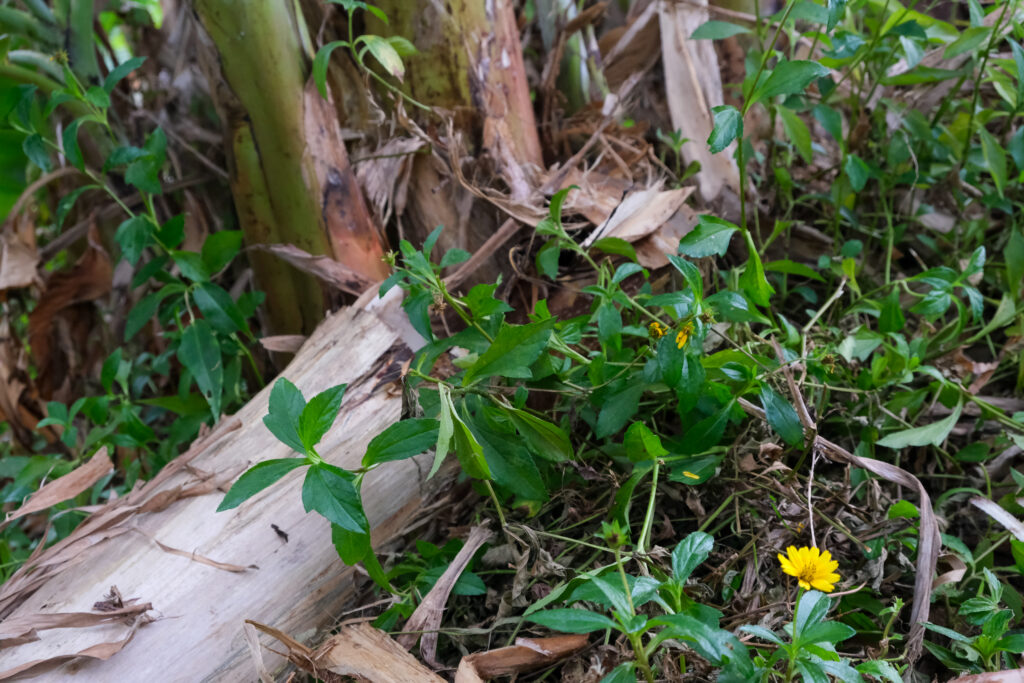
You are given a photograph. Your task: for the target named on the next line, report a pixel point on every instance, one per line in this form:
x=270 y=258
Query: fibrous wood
x=298 y=585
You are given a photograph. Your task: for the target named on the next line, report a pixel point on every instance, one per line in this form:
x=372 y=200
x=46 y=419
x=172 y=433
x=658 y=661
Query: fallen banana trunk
x=203 y=572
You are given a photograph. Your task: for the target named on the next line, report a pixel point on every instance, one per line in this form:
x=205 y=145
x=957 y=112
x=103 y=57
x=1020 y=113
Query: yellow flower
x=657 y=330
x=684 y=335
x=811 y=567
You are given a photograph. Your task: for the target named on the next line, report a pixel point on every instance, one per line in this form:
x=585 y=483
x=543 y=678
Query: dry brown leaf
x=651 y=251
x=427 y=617
x=526 y=655
x=996 y=512
x=19 y=626
x=18 y=255
x=355 y=239
x=958 y=568
x=641 y=213
x=693 y=86
x=596 y=195
x=1014 y=676
x=384 y=174
x=196 y=557
x=68 y=486
x=253 y=641
x=101 y=651
x=286 y=343
x=323 y=267
x=87 y=280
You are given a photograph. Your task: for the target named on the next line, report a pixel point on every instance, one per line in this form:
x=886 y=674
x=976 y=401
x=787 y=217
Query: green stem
x=794 y=650
x=497 y=504
x=645 y=531
x=977 y=81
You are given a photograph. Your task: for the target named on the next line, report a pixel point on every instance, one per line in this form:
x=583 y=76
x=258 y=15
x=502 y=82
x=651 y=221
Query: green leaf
x=97 y=97
x=728 y=127
x=710 y=237
x=789 y=78
x=813 y=608
x=69 y=139
x=618 y=409
x=134 y=235
x=218 y=308
x=929 y=435
x=836 y=9
x=402 y=440
x=689 y=553
x=547 y=440
x=199 y=352
x=792 y=268
x=65 y=204
x=320 y=62
x=191 y=265
x=285 y=408
x=220 y=249
x=643 y=444
x=468 y=450
x=256 y=479
x=572 y=620
x=453 y=257
x=830 y=120
x=615 y=245
x=352 y=546
x=329 y=491
x=995 y=158
x=514 y=350
x=754 y=282
x=734 y=307
x=690 y=273
x=797 y=132
x=857 y=171
x=319 y=414
x=879 y=668
x=35 y=149
x=891 y=318
x=623 y=673
x=781 y=416
x=445 y=430
x=615 y=593
x=762 y=633
x=384 y=53
x=147 y=307
x=547 y=259
x=120 y=71
x=172 y=233
x=970 y=39
x=827 y=632
x=717 y=30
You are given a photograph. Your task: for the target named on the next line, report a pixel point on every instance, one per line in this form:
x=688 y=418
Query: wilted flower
x=811 y=567
x=657 y=330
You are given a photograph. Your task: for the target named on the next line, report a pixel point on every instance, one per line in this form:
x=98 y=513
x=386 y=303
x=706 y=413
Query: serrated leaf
x=219 y=308
x=728 y=126
x=319 y=414
x=546 y=439
x=402 y=440
x=514 y=350
x=285 y=407
x=689 y=553
x=330 y=491
x=781 y=416
x=710 y=238
x=199 y=352
x=134 y=235
x=257 y=478
x=789 y=78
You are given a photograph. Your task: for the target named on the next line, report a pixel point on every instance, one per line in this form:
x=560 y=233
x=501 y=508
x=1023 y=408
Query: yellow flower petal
x=812 y=567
